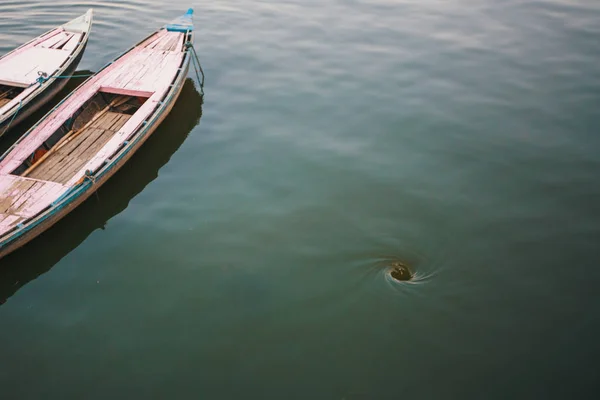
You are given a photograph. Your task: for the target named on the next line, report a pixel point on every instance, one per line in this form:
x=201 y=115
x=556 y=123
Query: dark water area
x=245 y=250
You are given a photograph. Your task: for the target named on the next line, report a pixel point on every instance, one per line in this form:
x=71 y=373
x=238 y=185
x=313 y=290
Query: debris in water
x=400 y=271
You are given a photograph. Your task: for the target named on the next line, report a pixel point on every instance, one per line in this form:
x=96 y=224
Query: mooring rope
x=13 y=117
x=43 y=77
x=197 y=66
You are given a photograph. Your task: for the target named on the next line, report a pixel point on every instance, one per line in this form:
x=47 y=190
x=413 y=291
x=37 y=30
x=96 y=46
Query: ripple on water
x=380 y=270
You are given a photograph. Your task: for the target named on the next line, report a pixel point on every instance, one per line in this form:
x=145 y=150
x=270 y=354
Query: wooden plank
x=32 y=43
x=3 y=217
x=139 y=63
x=69 y=170
x=152 y=39
x=22 y=198
x=122 y=122
x=160 y=44
x=6 y=92
x=94 y=135
x=42 y=199
x=20 y=97
x=72 y=43
x=179 y=44
x=27 y=194
x=71 y=147
x=9 y=222
x=61 y=43
x=17 y=191
x=164 y=74
x=54 y=40
x=44 y=157
x=72 y=134
x=137 y=76
x=48 y=165
x=52 y=167
x=90 y=146
x=126 y=92
x=55 y=164
x=23 y=68
x=157 y=42
x=9 y=194
x=160 y=75
x=106 y=121
x=115 y=142
x=65 y=162
x=6 y=181
x=168 y=42
x=81 y=155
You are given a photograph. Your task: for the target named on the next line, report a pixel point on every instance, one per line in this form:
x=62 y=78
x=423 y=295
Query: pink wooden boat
x=32 y=74
x=89 y=135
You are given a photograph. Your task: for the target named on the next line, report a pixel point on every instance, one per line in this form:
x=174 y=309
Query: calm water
x=241 y=253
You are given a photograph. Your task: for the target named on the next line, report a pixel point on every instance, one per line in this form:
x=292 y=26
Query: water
x=242 y=252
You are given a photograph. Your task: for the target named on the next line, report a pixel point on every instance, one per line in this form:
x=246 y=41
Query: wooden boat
x=28 y=74
x=89 y=135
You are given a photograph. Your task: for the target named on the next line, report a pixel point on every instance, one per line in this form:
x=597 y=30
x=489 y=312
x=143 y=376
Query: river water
x=242 y=252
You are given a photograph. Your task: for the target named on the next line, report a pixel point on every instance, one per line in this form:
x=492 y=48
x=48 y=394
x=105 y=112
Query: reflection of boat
x=28 y=73
x=89 y=135
x=20 y=267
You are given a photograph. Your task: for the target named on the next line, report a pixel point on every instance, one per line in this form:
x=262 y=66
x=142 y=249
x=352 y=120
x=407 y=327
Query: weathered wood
x=59 y=44
x=69 y=136
x=73 y=42
x=67 y=161
x=142 y=71
x=78 y=156
x=23 y=68
x=27 y=190
x=166 y=72
x=126 y=92
x=13 y=194
x=59 y=160
x=45 y=53
x=53 y=41
x=6 y=93
x=23 y=197
x=32 y=43
x=21 y=97
x=9 y=222
x=47 y=220
x=152 y=39
x=44 y=157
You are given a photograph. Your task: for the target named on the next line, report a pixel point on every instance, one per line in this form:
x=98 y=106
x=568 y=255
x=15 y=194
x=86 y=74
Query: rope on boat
x=87 y=176
x=197 y=66
x=13 y=117
x=43 y=77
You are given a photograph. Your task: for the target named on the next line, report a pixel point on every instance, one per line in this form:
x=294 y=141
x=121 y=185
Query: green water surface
x=241 y=253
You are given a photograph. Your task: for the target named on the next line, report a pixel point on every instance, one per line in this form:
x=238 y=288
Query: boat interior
x=78 y=140
x=22 y=67
x=7 y=93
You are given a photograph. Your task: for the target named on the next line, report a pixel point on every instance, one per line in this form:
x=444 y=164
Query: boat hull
x=51 y=217
x=44 y=97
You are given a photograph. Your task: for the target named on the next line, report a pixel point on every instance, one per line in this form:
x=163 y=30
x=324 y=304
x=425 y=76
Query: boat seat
x=22 y=198
x=39 y=58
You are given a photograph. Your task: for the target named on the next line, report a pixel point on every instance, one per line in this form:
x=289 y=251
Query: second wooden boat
x=89 y=135
x=33 y=73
